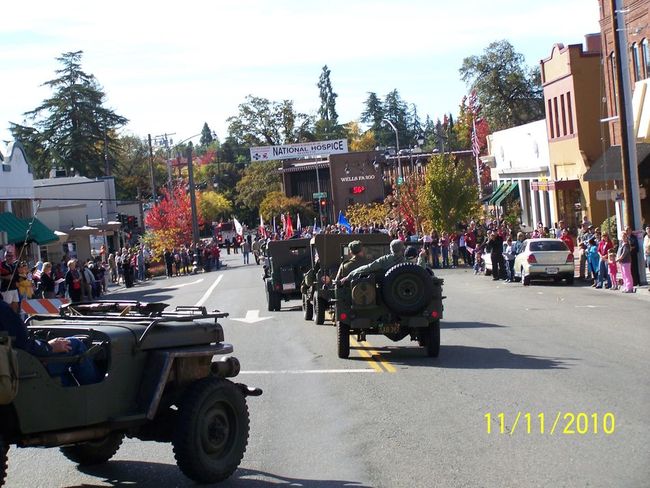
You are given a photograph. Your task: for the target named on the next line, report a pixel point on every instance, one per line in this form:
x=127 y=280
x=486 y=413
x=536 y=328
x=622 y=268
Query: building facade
x=571 y=79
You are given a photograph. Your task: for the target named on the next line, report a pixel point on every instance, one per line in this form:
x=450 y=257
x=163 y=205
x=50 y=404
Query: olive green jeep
x=404 y=301
x=159 y=379
x=328 y=251
x=285 y=265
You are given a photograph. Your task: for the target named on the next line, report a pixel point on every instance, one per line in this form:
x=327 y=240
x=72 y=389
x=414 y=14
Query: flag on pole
x=288 y=232
x=298 y=224
x=262 y=228
x=283 y=219
x=476 y=148
x=238 y=227
x=343 y=222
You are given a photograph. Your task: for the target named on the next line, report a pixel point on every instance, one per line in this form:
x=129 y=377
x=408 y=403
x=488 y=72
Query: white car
x=546 y=259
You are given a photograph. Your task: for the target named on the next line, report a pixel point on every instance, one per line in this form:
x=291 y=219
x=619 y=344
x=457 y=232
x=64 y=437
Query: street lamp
x=399 y=161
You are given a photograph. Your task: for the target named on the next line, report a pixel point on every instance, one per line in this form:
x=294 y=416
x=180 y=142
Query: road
x=391 y=417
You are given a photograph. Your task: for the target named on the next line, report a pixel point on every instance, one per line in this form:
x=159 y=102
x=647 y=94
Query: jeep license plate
x=390 y=329
x=288 y=286
x=552 y=270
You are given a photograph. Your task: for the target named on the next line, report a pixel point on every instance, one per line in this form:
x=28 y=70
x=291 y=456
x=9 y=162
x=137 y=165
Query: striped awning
x=499 y=191
x=513 y=187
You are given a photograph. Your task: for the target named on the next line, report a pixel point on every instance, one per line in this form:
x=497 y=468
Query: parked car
x=545 y=259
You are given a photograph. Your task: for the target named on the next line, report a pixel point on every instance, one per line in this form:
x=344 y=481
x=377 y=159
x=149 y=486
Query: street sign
x=613 y=195
x=400 y=180
x=322 y=194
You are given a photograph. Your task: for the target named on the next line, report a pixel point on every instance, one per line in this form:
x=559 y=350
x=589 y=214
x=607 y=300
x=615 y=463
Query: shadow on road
x=466 y=325
x=147 y=474
x=466 y=357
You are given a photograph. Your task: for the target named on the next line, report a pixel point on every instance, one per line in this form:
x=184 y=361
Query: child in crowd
x=478 y=261
x=611 y=266
x=593 y=259
x=453 y=249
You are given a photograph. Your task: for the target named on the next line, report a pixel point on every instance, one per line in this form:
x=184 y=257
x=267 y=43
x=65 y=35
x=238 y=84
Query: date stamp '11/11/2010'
x=563 y=423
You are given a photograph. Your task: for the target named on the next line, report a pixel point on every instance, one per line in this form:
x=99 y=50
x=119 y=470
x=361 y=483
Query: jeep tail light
x=434 y=314
x=278 y=287
x=532 y=259
x=343 y=316
x=569 y=259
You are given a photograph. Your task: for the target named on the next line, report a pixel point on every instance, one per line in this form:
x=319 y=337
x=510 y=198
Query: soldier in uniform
x=357 y=260
x=383 y=263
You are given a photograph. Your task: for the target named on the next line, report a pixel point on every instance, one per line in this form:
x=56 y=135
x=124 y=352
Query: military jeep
x=286 y=263
x=327 y=252
x=405 y=301
x=159 y=380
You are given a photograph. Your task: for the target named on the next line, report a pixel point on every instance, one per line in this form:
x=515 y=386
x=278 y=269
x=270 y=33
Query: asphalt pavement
x=559 y=376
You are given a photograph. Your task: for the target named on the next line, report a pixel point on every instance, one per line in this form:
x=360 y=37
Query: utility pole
x=190 y=177
x=153 y=181
x=626 y=118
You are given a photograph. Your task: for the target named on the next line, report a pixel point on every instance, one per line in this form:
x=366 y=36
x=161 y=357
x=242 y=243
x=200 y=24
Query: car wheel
x=569 y=280
x=488 y=272
x=407 y=289
x=432 y=339
x=525 y=279
x=307 y=308
x=343 y=339
x=212 y=430
x=269 y=297
x=94 y=452
x=319 y=310
x=4 y=449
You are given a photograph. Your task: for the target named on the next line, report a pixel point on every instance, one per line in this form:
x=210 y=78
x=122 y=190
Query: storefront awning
x=18 y=230
x=499 y=191
x=513 y=187
x=608 y=166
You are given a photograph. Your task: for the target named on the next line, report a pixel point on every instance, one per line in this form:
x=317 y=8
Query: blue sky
x=170 y=66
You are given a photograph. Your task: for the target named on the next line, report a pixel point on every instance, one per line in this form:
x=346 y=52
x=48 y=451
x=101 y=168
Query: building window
x=570 y=110
x=557 y=117
x=563 y=115
x=635 y=61
x=614 y=94
x=551 y=130
x=646 y=58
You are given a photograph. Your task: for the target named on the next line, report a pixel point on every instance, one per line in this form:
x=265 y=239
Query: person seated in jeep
x=357 y=260
x=84 y=371
x=384 y=263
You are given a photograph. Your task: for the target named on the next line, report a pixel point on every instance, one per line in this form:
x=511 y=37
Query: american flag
x=476 y=148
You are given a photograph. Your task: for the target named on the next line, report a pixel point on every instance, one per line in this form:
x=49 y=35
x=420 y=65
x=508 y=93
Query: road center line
x=310 y=371
x=376 y=355
x=365 y=354
x=209 y=291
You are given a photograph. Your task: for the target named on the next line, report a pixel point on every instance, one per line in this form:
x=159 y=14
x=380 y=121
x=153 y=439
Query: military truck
x=285 y=265
x=404 y=301
x=159 y=380
x=327 y=252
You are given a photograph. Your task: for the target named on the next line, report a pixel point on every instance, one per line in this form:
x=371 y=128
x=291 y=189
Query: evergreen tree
x=327 y=125
x=74 y=126
x=373 y=115
x=206 y=135
x=396 y=110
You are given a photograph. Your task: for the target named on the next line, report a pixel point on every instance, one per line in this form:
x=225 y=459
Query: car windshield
x=548 y=246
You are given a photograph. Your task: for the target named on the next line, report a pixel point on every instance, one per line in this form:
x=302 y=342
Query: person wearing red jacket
x=568 y=240
x=604 y=246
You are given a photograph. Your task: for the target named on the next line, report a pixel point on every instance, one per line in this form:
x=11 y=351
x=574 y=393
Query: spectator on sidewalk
x=246 y=250
x=646 y=248
x=495 y=247
x=634 y=254
x=625 y=259
x=612 y=268
x=568 y=240
x=509 y=256
x=604 y=246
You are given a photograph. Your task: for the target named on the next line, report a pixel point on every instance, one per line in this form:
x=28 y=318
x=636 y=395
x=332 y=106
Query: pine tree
x=327 y=125
x=74 y=126
x=206 y=135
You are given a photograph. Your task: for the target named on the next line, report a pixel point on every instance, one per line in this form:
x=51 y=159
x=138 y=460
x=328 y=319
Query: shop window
x=646 y=58
x=614 y=93
x=557 y=117
x=563 y=115
x=549 y=113
x=569 y=108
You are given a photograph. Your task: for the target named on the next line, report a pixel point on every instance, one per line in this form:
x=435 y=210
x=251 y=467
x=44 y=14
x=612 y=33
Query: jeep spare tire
x=407 y=289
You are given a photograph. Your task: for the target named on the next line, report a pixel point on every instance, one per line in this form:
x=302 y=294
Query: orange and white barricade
x=43 y=306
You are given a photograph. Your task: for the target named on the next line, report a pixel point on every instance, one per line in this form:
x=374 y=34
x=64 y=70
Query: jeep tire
x=272 y=298
x=212 y=430
x=319 y=310
x=407 y=289
x=94 y=452
x=343 y=339
x=4 y=448
x=431 y=339
x=307 y=308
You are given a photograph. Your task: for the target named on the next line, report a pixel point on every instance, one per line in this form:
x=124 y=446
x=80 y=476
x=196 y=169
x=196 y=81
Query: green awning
x=499 y=191
x=16 y=230
x=514 y=186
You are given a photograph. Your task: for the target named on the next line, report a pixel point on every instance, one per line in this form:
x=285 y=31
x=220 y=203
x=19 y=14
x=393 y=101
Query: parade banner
x=297 y=151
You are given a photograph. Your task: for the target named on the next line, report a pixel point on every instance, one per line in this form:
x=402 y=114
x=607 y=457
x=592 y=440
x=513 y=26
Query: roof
x=608 y=165
x=66 y=180
x=18 y=230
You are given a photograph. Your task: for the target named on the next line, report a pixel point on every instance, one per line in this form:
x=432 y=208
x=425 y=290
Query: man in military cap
x=357 y=260
x=383 y=263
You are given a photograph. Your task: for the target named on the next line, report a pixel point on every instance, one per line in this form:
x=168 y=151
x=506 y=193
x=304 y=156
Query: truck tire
x=407 y=289
x=94 y=452
x=4 y=449
x=307 y=308
x=343 y=339
x=211 y=433
x=319 y=310
x=272 y=298
x=432 y=339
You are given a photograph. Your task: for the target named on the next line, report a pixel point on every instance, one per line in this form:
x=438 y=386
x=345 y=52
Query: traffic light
x=323 y=202
x=315 y=205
